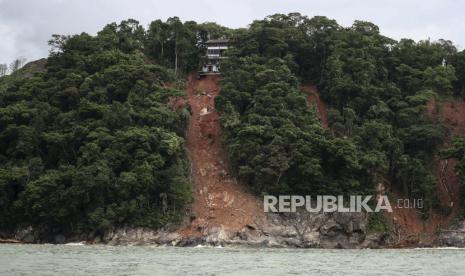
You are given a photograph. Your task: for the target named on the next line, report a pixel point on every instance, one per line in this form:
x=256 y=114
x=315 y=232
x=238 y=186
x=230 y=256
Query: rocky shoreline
x=298 y=230
x=455 y=236
x=294 y=230
x=339 y=230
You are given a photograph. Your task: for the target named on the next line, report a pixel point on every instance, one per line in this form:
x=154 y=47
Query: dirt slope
x=314 y=98
x=220 y=202
x=409 y=223
x=409 y=226
x=452 y=115
x=219 y=199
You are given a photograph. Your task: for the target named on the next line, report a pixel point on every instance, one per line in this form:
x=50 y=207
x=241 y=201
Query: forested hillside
x=376 y=87
x=88 y=139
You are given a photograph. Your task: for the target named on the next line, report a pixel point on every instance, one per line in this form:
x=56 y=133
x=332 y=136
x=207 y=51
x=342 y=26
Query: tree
x=89 y=142
x=440 y=79
x=181 y=36
x=157 y=37
x=3 y=69
x=179 y=45
x=376 y=88
x=458 y=61
x=273 y=138
x=17 y=64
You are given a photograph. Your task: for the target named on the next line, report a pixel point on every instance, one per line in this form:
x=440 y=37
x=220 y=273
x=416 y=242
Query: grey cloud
x=26 y=26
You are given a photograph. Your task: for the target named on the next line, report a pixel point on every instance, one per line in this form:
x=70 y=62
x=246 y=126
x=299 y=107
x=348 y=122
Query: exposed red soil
x=410 y=228
x=452 y=115
x=314 y=98
x=410 y=225
x=220 y=201
x=177 y=102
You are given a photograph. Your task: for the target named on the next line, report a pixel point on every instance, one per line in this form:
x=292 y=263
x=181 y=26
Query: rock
x=351 y=222
x=203 y=111
x=375 y=241
x=252 y=236
x=26 y=235
x=282 y=231
x=29 y=238
x=168 y=238
x=311 y=239
x=303 y=229
x=60 y=239
x=271 y=242
x=300 y=229
x=337 y=240
x=251 y=226
x=136 y=236
x=97 y=240
x=330 y=228
x=5 y=234
x=191 y=242
x=293 y=242
x=455 y=236
x=202 y=172
x=216 y=236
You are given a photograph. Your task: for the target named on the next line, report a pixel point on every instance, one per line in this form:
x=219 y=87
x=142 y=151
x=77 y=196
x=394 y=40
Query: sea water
x=79 y=259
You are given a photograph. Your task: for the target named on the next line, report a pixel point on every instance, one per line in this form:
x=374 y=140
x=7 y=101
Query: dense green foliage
x=273 y=137
x=179 y=45
x=457 y=151
x=376 y=87
x=87 y=138
x=89 y=141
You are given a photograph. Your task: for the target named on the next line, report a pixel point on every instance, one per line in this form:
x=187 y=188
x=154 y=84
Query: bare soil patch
x=220 y=201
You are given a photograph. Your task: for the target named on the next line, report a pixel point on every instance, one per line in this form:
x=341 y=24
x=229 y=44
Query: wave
x=207 y=246
x=440 y=248
x=76 y=243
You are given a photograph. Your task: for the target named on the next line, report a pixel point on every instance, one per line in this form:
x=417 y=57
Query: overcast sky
x=27 y=25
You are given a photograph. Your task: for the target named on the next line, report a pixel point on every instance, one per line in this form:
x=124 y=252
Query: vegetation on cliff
x=376 y=88
x=88 y=140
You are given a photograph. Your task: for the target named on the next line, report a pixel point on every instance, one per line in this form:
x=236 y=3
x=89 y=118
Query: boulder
x=26 y=235
x=455 y=236
x=60 y=239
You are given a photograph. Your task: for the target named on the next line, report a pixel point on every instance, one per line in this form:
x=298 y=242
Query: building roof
x=217 y=41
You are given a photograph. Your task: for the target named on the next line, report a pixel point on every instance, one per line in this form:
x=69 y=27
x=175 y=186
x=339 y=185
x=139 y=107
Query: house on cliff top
x=210 y=62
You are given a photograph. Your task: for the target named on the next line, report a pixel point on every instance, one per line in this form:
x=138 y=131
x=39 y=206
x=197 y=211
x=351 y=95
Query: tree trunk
x=176 y=62
x=162 y=51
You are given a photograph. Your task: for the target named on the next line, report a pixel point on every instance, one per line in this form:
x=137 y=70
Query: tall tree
x=3 y=69
x=17 y=64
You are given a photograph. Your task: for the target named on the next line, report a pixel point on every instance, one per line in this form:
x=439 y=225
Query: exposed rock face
x=332 y=230
x=301 y=229
x=226 y=213
x=453 y=237
x=306 y=230
x=60 y=239
x=27 y=235
x=140 y=236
